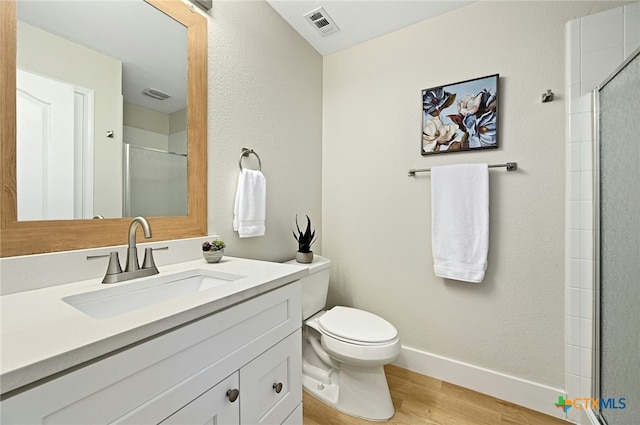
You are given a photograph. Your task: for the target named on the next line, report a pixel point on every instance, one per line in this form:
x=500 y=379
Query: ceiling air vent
x=156 y=94
x=321 y=21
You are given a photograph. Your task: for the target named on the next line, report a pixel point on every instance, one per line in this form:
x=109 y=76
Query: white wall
x=178 y=131
x=265 y=93
x=596 y=46
x=376 y=220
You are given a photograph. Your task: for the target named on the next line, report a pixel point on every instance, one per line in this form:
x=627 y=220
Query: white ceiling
x=359 y=20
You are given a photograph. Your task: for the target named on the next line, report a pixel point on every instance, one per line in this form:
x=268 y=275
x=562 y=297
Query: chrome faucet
x=132 y=268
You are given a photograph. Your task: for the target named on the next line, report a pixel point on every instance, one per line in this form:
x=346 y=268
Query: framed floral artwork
x=461 y=116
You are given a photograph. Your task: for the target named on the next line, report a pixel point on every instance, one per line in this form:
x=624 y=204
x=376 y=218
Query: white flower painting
x=461 y=116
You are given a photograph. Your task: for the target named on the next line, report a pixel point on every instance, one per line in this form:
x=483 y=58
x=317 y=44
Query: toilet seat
x=344 y=332
x=356 y=326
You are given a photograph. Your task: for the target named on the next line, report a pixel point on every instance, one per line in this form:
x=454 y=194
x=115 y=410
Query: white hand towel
x=249 y=209
x=460 y=221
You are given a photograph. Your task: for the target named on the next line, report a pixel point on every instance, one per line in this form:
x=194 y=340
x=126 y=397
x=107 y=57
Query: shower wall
x=596 y=46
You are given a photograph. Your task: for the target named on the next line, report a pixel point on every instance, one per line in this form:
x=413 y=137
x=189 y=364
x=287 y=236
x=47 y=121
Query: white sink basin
x=134 y=295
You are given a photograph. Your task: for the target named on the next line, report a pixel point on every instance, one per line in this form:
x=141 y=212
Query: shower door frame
x=595 y=390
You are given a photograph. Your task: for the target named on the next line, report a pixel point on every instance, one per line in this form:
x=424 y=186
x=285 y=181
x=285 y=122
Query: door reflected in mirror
x=90 y=142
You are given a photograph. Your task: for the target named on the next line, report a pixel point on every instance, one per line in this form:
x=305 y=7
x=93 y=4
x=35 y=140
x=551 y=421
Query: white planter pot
x=304 y=257
x=213 y=256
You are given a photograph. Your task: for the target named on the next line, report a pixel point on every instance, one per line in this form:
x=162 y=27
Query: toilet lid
x=357 y=325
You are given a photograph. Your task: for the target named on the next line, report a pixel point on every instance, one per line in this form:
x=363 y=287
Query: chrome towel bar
x=511 y=166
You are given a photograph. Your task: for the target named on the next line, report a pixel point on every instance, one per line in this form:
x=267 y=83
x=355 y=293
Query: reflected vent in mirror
x=156 y=94
x=321 y=21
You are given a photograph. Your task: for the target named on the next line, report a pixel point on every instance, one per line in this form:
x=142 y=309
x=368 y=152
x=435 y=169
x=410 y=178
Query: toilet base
x=355 y=390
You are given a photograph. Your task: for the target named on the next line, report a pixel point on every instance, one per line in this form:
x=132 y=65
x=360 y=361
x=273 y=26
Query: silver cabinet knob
x=233 y=394
x=277 y=387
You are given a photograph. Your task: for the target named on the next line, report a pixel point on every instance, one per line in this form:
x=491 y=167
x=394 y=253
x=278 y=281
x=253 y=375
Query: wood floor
x=420 y=400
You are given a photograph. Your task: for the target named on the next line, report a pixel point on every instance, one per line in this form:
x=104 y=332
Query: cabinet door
x=272 y=383
x=214 y=407
x=294 y=418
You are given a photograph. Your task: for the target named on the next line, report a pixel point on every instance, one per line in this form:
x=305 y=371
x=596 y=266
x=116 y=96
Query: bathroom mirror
x=93 y=84
x=31 y=237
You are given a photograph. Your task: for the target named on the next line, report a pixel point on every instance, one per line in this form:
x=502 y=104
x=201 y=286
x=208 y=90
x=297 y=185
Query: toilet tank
x=314 y=286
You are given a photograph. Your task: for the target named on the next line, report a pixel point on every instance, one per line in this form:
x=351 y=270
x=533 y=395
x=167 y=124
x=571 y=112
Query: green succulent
x=215 y=245
x=306 y=239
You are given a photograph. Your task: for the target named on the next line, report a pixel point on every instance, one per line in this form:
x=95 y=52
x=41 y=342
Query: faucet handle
x=148 y=262
x=114 y=262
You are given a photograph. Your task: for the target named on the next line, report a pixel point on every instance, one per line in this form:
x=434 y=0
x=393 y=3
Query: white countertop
x=41 y=335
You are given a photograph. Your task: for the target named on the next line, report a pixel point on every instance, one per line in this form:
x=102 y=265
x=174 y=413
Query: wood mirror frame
x=33 y=237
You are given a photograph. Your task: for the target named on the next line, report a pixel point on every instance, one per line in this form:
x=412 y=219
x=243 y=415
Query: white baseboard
x=499 y=385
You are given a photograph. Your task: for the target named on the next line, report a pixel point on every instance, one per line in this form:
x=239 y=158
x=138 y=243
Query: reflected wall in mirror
x=91 y=79
x=41 y=236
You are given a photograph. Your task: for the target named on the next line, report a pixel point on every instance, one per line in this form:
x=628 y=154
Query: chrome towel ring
x=247 y=152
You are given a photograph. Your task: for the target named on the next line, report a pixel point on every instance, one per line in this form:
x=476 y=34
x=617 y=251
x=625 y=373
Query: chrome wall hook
x=547 y=97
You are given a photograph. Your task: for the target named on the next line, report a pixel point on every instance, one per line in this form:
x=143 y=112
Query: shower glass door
x=617 y=375
x=155 y=182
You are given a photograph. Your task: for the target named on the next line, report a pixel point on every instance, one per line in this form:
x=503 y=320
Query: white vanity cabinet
x=187 y=375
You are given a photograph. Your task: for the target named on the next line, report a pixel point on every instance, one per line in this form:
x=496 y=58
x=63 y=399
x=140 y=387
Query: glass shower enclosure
x=155 y=182
x=617 y=246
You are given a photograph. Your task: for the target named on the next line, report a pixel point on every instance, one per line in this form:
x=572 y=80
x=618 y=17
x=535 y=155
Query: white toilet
x=344 y=351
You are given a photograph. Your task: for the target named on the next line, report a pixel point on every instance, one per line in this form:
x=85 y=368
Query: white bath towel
x=250 y=206
x=460 y=221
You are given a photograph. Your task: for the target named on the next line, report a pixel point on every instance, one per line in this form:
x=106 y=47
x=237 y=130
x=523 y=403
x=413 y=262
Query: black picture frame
x=460 y=117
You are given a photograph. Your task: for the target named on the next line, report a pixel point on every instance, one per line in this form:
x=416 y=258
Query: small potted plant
x=213 y=251
x=305 y=240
